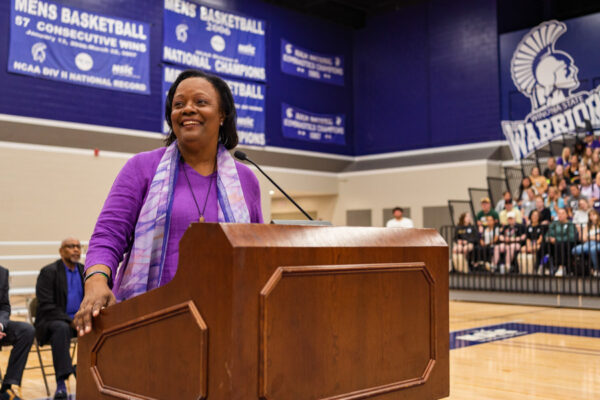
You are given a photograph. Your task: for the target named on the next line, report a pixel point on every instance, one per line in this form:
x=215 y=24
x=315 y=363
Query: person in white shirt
x=399 y=221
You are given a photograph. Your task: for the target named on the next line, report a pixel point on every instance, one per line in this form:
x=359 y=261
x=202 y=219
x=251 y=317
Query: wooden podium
x=281 y=312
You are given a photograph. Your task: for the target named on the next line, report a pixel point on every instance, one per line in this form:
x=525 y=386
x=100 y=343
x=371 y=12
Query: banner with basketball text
x=213 y=40
x=53 y=41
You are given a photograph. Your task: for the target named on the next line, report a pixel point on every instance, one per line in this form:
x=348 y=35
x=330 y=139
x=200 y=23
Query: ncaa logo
x=38 y=51
x=181 y=32
x=289 y=113
x=288 y=48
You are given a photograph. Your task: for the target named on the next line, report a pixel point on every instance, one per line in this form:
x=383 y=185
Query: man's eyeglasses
x=72 y=246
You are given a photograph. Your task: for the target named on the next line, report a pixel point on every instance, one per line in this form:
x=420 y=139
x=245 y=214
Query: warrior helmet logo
x=38 y=51
x=548 y=77
x=181 y=32
x=545 y=75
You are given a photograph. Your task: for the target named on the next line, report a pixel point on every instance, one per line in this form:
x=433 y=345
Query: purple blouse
x=116 y=223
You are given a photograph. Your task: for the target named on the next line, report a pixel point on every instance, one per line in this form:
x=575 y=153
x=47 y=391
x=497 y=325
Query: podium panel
x=334 y=332
x=171 y=331
x=281 y=312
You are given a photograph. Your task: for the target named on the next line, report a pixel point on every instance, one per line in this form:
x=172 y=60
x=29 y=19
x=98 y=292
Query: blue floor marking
x=493 y=333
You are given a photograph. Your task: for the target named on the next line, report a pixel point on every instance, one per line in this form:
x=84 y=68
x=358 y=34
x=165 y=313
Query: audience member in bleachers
x=580 y=216
x=562 y=236
x=399 y=220
x=583 y=169
x=489 y=238
x=523 y=190
x=545 y=216
x=510 y=208
x=590 y=140
x=586 y=160
x=486 y=210
x=565 y=155
x=554 y=202
x=578 y=148
x=511 y=236
x=573 y=200
x=596 y=185
x=466 y=237
x=550 y=167
x=595 y=163
x=534 y=235
x=590 y=236
x=528 y=206
x=538 y=181
x=563 y=188
x=59 y=290
x=17 y=334
x=588 y=189
x=557 y=175
x=501 y=205
x=572 y=171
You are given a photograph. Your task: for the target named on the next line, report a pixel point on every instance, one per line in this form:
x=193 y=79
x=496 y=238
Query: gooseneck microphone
x=240 y=155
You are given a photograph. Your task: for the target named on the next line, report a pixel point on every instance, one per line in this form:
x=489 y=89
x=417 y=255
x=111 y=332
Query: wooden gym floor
x=523 y=352
x=498 y=352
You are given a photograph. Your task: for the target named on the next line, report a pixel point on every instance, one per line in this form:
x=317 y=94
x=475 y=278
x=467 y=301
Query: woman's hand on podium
x=97 y=296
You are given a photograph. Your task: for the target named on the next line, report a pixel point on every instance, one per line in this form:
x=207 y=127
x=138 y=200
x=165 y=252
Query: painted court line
x=493 y=333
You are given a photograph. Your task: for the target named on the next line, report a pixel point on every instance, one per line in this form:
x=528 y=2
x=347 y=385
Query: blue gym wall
x=427 y=75
x=423 y=76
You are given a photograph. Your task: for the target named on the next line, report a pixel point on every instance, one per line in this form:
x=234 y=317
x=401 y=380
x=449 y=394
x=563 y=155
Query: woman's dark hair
x=534 y=211
x=522 y=187
x=462 y=218
x=227 y=132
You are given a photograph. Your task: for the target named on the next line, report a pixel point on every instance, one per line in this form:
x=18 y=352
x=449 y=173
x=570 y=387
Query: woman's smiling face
x=196 y=114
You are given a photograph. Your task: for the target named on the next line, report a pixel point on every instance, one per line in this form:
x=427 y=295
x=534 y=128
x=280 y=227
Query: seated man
x=19 y=335
x=486 y=210
x=573 y=200
x=506 y=198
x=510 y=208
x=59 y=290
x=487 y=242
x=512 y=235
x=399 y=221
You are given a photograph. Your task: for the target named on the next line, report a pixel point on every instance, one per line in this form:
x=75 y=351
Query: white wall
x=50 y=193
x=414 y=187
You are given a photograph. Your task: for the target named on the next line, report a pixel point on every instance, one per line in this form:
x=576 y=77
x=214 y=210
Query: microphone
x=240 y=155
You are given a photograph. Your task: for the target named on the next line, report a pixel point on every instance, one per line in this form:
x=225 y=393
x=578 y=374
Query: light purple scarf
x=142 y=269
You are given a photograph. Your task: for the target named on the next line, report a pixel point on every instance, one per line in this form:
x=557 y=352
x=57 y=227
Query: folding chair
x=32 y=305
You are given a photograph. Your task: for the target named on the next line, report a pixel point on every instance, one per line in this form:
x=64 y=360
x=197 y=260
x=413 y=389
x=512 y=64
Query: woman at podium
x=159 y=193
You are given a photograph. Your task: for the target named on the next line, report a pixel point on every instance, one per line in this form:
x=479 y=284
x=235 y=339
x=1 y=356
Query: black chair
x=32 y=305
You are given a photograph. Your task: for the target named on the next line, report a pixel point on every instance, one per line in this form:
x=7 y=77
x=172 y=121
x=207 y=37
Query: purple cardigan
x=116 y=223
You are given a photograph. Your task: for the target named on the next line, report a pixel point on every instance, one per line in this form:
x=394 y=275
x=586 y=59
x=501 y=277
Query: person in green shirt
x=562 y=236
x=486 y=209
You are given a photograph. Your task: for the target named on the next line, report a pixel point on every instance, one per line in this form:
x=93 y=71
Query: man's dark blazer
x=51 y=292
x=4 y=301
